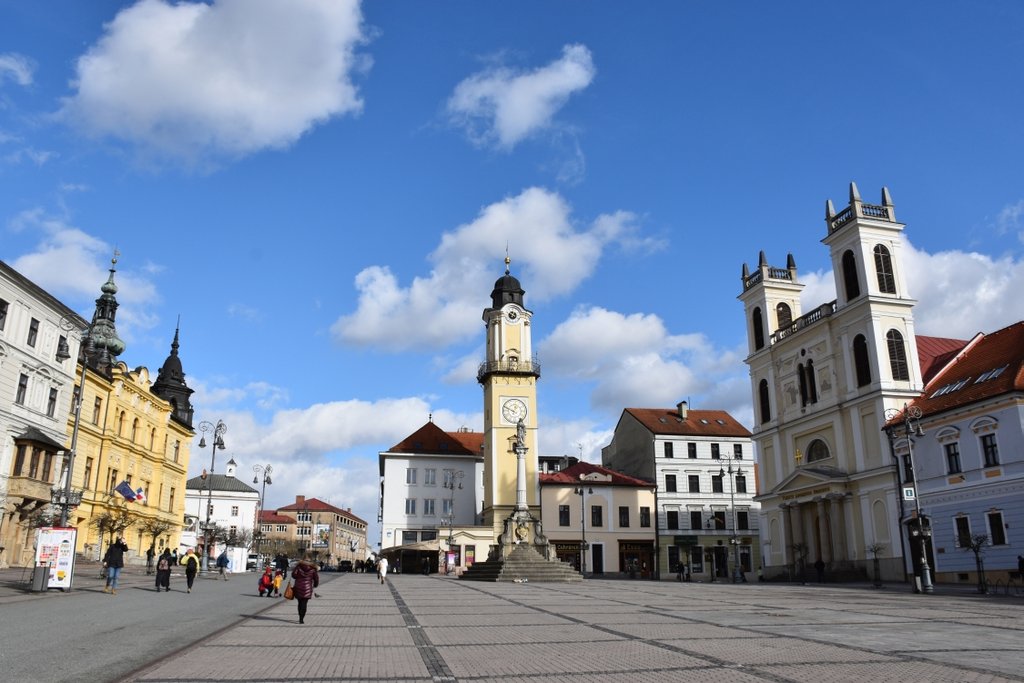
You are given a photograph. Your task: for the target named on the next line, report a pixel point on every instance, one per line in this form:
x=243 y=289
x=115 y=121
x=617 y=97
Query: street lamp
x=734 y=540
x=452 y=480
x=262 y=471
x=582 y=493
x=216 y=432
x=910 y=416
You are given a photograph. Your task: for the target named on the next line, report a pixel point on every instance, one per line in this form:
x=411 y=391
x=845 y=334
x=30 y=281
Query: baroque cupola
x=507 y=289
x=102 y=345
x=170 y=385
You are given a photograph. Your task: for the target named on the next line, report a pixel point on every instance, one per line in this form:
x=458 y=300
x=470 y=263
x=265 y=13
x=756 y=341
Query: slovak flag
x=125 y=489
x=140 y=497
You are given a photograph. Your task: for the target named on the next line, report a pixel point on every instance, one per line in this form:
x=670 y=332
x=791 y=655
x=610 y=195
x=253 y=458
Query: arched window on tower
x=860 y=360
x=850 y=279
x=758 y=324
x=897 y=355
x=784 y=314
x=765 y=405
x=883 y=269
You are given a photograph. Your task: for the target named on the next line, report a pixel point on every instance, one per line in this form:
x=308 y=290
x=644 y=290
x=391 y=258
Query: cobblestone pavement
x=418 y=628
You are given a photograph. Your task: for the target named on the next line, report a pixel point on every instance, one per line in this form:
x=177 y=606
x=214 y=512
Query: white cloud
x=16 y=67
x=1011 y=219
x=231 y=77
x=30 y=154
x=503 y=106
x=548 y=252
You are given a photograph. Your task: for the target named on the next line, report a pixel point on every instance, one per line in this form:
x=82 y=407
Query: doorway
x=597 y=558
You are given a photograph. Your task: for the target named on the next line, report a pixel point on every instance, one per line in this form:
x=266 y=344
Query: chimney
x=684 y=408
x=299 y=500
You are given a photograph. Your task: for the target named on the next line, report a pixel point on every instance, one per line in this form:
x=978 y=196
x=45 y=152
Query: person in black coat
x=114 y=562
x=281 y=563
x=163 y=570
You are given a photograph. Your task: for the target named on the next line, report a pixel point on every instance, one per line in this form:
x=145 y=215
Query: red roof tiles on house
x=935 y=352
x=572 y=474
x=432 y=439
x=271 y=517
x=316 y=505
x=697 y=422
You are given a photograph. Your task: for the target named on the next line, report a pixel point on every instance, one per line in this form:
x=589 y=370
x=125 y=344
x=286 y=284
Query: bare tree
x=800 y=551
x=976 y=544
x=875 y=549
x=154 y=528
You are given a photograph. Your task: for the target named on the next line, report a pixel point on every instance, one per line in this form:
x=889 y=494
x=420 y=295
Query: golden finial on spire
x=113 y=261
x=507 y=259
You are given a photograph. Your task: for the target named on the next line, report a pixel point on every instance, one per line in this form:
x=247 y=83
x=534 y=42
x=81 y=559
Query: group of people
x=113 y=563
x=305 y=577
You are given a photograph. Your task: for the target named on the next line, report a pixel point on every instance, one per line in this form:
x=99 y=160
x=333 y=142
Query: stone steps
x=523 y=565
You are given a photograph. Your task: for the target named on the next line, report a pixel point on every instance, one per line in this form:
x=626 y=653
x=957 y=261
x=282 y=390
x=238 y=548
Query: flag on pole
x=125 y=489
x=140 y=497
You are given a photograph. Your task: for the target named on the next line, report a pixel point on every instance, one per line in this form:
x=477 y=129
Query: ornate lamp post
x=216 y=432
x=582 y=493
x=734 y=540
x=262 y=472
x=910 y=416
x=452 y=481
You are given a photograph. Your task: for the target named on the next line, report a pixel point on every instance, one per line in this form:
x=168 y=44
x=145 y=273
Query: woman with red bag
x=306 y=579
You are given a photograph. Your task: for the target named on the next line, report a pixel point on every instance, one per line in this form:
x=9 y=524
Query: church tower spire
x=101 y=341
x=170 y=384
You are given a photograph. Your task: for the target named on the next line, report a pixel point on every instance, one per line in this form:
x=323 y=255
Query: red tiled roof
x=432 y=439
x=986 y=353
x=697 y=422
x=572 y=474
x=271 y=517
x=317 y=505
x=935 y=352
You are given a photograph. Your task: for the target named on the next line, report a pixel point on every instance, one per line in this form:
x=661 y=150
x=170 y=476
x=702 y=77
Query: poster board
x=321 y=535
x=55 y=546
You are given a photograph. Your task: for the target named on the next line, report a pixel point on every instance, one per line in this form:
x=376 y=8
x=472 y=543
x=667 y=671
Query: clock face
x=513 y=410
x=512 y=315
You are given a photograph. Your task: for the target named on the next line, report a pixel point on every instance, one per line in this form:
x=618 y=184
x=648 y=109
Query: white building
x=224 y=501
x=35 y=399
x=432 y=483
x=703 y=464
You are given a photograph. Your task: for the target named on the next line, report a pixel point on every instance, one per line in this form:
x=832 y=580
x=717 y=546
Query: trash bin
x=40 y=577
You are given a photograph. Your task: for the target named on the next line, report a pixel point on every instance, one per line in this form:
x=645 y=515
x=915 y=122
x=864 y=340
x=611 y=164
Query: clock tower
x=509 y=377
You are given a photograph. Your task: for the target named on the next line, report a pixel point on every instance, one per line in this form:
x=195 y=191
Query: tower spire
x=101 y=339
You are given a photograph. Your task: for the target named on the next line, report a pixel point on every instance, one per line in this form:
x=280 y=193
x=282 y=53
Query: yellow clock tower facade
x=509 y=377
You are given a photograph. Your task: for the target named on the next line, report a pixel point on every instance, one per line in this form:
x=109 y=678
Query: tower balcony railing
x=508 y=367
x=819 y=313
x=860 y=209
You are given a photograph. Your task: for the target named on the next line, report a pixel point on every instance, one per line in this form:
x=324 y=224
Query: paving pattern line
x=431 y=656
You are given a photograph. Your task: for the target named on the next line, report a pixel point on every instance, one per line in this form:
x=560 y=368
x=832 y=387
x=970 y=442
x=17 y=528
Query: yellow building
x=131 y=430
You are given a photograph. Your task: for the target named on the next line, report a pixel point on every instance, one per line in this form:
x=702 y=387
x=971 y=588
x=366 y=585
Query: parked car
x=345 y=566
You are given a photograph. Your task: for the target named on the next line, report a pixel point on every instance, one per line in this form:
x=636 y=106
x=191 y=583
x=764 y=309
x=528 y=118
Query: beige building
x=600 y=521
x=329 y=533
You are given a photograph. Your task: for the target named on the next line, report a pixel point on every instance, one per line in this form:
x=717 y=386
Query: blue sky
x=324 y=192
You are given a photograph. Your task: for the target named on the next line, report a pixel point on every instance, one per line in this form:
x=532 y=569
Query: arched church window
x=765 y=405
x=135 y=429
x=817 y=450
x=802 y=381
x=883 y=269
x=897 y=355
x=758 y=325
x=850 y=279
x=860 y=360
x=785 y=315
x=120 y=423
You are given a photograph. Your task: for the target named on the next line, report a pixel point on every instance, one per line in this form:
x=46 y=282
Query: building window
x=850 y=279
x=19 y=461
x=908 y=468
x=170 y=501
x=668 y=449
x=996 y=530
x=176 y=451
x=715 y=452
x=694 y=482
x=742 y=519
x=817 y=451
x=33 y=333
x=716 y=484
x=428 y=507
x=430 y=535
x=670 y=483
x=741 y=483
x=152 y=438
x=596 y=516
x=990 y=450
x=953 y=458
x=691 y=450
x=963 y=531
x=430 y=477
x=408 y=537
x=763 y=402
x=234 y=510
x=135 y=429
x=737 y=451
x=645 y=517
x=446 y=506
x=860 y=360
x=695 y=519
x=719 y=519
x=672 y=519
x=758 y=325
x=120 y=423
x=784 y=314
x=897 y=356
x=623 y=517
x=87 y=475
x=308 y=517
x=808 y=386
x=410 y=475
x=51 y=403
x=563 y=515
x=97 y=407
x=410 y=506
x=33 y=468
x=3 y=313
x=19 y=396
x=883 y=269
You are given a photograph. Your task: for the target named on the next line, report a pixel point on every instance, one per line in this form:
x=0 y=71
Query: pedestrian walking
x=281 y=562
x=113 y=560
x=174 y=557
x=382 y=569
x=191 y=562
x=222 y=564
x=819 y=567
x=163 y=571
x=1020 y=567
x=306 y=578
x=150 y=555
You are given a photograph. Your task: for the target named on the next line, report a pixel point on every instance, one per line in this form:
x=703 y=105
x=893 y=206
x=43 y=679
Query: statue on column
x=521 y=434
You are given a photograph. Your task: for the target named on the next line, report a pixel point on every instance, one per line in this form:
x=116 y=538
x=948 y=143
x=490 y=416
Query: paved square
x=419 y=628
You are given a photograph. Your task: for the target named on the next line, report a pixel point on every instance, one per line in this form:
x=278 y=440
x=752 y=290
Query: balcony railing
x=867 y=210
x=506 y=367
x=819 y=313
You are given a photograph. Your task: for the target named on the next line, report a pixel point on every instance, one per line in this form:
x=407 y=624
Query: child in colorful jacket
x=278 y=579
